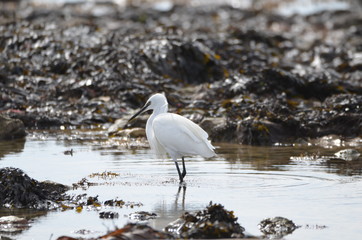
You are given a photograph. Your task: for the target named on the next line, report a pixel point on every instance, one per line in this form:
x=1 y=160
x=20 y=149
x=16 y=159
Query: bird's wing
x=193 y=130
x=180 y=136
x=180 y=123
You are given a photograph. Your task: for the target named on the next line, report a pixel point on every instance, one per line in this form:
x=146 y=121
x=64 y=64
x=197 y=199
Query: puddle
x=254 y=182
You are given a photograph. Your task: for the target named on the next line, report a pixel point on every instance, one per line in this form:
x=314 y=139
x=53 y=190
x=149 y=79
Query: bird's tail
x=210 y=150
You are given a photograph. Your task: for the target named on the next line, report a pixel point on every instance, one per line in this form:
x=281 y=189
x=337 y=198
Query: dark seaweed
x=273 y=78
x=18 y=190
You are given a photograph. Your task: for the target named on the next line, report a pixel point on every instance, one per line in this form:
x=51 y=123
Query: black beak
x=140 y=111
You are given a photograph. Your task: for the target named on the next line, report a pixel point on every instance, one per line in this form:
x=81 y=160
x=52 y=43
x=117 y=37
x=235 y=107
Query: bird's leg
x=179 y=172
x=184 y=168
x=183 y=196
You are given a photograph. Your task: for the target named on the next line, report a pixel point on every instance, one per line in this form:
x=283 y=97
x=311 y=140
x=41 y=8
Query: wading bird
x=174 y=134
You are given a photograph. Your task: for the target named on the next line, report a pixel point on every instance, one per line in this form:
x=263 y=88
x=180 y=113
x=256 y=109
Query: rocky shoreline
x=248 y=76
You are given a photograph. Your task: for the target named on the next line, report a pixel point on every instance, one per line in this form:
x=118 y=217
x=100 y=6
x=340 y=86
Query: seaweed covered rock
x=18 y=190
x=277 y=227
x=212 y=222
x=274 y=81
x=264 y=121
x=191 y=62
x=11 y=128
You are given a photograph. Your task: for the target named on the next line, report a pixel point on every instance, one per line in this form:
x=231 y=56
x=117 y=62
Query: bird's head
x=157 y=101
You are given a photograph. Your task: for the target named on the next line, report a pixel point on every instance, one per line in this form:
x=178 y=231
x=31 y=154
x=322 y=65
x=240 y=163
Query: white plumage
x=174 y=134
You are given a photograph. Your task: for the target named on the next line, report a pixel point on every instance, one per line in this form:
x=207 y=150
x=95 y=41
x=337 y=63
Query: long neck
x=161 y=109
x=156 y=111
x=149 y=128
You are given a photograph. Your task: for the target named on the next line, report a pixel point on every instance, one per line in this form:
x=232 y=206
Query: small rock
x=142 y=216
x=277 y=227
x=208 y=124
x=69 y=152
x=348 y=154
x=131 y=133
x=118 y=124
x=11 y=128
x=108 y=215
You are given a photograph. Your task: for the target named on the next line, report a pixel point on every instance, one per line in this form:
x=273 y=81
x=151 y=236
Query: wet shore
x=247 y=75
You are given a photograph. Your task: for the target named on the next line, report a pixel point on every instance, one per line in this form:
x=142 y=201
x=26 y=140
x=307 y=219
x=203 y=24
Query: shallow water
x=324 y=198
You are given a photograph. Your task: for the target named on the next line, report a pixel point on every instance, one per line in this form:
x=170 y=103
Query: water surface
x=324 y=198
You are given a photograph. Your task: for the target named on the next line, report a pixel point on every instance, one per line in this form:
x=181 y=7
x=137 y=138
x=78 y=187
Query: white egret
x=174 y=134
